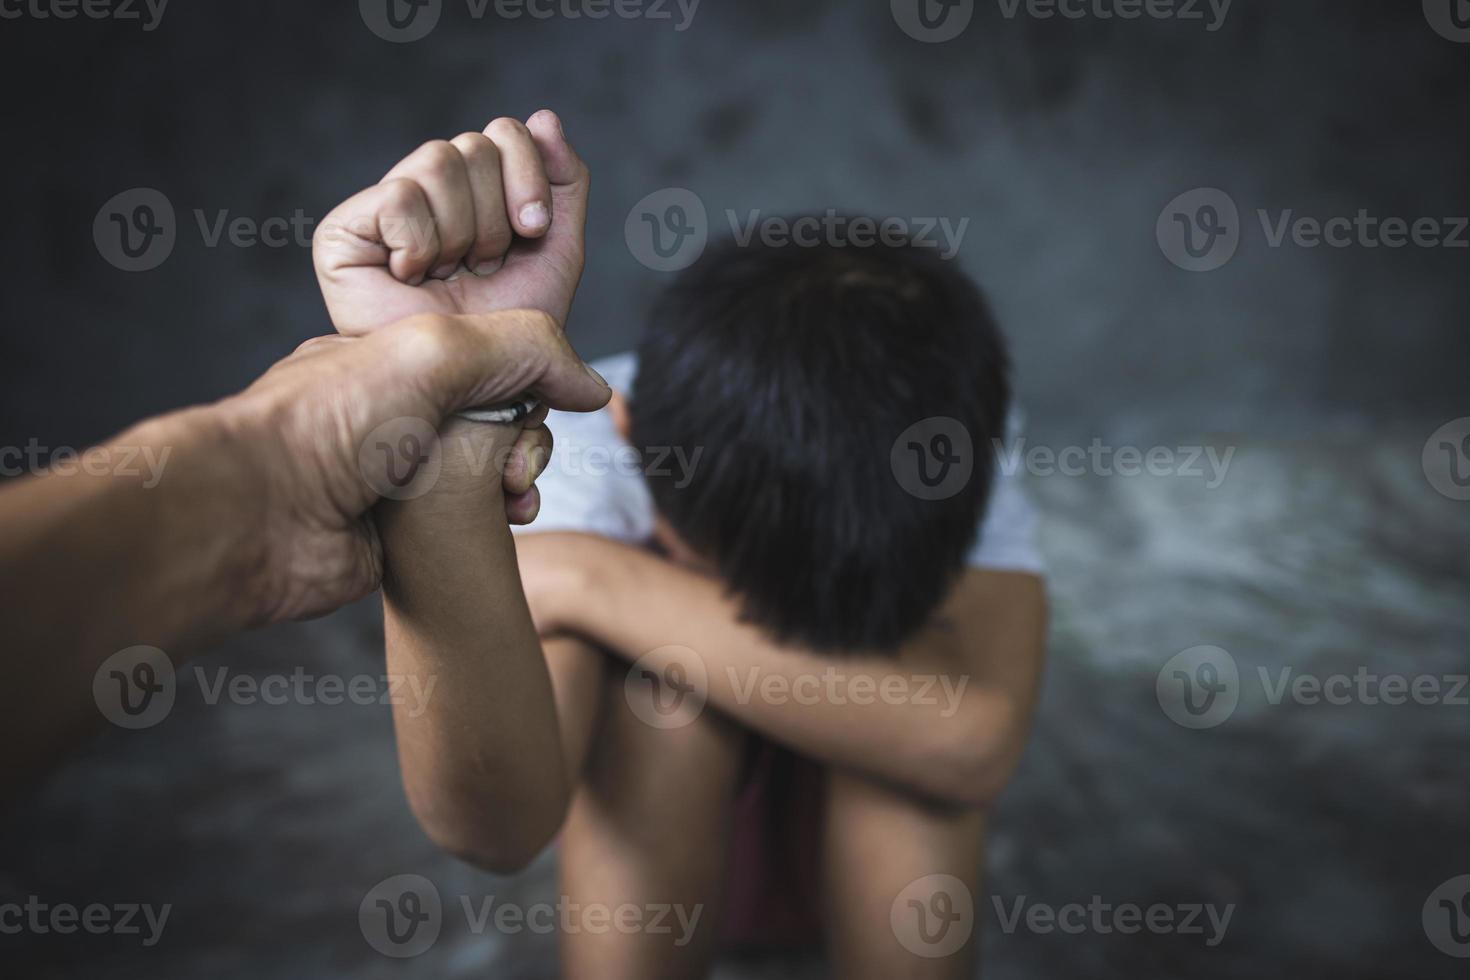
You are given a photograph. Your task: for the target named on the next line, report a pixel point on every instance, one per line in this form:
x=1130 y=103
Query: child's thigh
x=902 y=883
x=651 y=766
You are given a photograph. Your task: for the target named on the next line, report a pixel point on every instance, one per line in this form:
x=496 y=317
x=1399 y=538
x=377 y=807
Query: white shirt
x=594 y=484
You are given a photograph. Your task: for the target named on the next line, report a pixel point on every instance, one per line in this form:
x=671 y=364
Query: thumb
x=565 y=171
x=483 y=359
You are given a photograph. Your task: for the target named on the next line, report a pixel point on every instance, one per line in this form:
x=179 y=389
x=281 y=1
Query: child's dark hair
x=793 y=370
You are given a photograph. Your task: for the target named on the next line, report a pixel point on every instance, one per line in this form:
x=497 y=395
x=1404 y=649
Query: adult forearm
x=145 y=539
x=483 y=764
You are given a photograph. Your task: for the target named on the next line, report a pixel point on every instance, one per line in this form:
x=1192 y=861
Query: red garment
x=773 y=895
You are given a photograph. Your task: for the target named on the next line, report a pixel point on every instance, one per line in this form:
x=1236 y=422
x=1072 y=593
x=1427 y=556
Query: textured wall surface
x=1324 y=550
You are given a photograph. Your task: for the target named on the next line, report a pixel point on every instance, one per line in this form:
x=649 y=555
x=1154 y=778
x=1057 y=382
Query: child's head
x=793 y=370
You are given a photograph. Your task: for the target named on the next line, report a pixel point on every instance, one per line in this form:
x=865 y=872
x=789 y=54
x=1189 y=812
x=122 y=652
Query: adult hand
x=483 y=222
x=347 y=420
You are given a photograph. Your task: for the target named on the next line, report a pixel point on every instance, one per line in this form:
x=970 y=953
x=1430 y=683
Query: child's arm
x=482 y=763
x=946 y=717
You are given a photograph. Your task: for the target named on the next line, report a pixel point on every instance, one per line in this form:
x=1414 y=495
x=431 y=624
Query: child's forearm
x=946 y=717
x=482 y=765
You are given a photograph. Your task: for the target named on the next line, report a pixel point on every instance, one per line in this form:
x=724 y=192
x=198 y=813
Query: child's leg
x=648 y=828
x=879 y=843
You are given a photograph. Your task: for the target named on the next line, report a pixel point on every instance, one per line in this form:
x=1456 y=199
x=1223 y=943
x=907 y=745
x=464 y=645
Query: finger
x=570 y=184
x=312 y=346
x=527 y=192
x=522 y=508
x=439 y=170
x=562 y=165
x=461 y=361
x=388 y=224
x=528 y=459
x=537 y=417
x=492 y=224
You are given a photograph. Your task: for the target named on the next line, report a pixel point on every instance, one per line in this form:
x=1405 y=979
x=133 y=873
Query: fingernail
x=487 y=267
x=535 y=215
x=595 y=376
x=445 y=270
x=417 y=279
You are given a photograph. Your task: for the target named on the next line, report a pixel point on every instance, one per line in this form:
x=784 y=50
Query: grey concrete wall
x=1060 y=141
